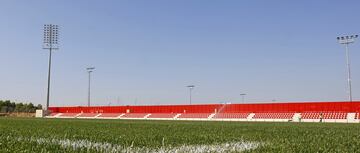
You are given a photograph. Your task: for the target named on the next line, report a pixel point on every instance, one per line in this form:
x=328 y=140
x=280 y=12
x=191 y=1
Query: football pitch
x=82 y=135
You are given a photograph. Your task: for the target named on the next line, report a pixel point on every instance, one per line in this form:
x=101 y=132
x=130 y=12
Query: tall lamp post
x=346 y=40
x=243 y=97
x=89 y=70
x=191 y=87
x=50 y=42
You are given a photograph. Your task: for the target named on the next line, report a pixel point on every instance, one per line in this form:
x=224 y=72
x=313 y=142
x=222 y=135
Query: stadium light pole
x=346 y=40
x=89 y=70
x=243 y=97
x=50 y=42
x=191 y=87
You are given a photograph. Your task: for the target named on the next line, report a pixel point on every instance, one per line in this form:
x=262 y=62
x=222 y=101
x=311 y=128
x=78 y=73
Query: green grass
x=22 y=134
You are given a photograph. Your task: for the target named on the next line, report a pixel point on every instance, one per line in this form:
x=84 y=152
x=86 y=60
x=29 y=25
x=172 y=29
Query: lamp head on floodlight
x=347 y=39
x=51 y=36
x=190 y=86
x=90 y=69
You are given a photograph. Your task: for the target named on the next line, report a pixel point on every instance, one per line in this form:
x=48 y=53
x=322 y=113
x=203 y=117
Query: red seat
x=273 y=115
x=88 y=115
x=162 y=115
x=327 y=115
x=231 y=115
x=357 y=115
x=194 y=115
x=110 y=115
x=69 y=114
x=53 y=114
x=134 y=115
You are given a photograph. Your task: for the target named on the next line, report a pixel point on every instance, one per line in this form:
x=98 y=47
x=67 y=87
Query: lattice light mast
x=89 y=70
x=191 y=87
x=51 y=35
x=346 y=40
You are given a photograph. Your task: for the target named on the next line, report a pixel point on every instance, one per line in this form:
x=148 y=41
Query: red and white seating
x=68 y=114
x=194 y=115
x=53 y=114
x=134 y=115
x=88 y=115
x=162 y=115
x=328 y=115
x=273 y=115
x=325 y=111
x=357 y=116
x=110 y=115
x=231 y=115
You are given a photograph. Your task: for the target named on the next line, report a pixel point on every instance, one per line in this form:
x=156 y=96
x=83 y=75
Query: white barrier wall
x=40 y=113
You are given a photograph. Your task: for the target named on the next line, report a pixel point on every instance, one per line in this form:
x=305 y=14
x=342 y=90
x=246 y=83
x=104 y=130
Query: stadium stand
x=194 y=115
x=53 y=114
x=273 y=115
x=88 y=115
x=110 y=115
x=231 y=115
x=134 y=115
x=345 y=112
x=162 y=115
x=328 y=115
x=69 y=114
x=357 y=116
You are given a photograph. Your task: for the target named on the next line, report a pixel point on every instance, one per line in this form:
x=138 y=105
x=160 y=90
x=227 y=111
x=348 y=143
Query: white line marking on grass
x=114 y=148
x=224 y=147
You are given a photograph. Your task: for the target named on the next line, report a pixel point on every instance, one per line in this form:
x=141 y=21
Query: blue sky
x=146 y=52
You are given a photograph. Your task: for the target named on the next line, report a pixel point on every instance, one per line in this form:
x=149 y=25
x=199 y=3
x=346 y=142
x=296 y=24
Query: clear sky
x=146 y=52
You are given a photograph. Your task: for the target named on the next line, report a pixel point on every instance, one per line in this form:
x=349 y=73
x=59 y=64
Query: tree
x=39 y=106
x=19 y=107
x=7 y=107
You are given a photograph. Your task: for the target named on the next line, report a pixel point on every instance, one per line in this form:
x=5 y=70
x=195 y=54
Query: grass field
x=75 y=135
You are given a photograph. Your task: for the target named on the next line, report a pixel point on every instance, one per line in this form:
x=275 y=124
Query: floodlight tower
x=51 y=35
x=346 y=40
x=243 y=97
x=191 y=87
x=89 y=70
